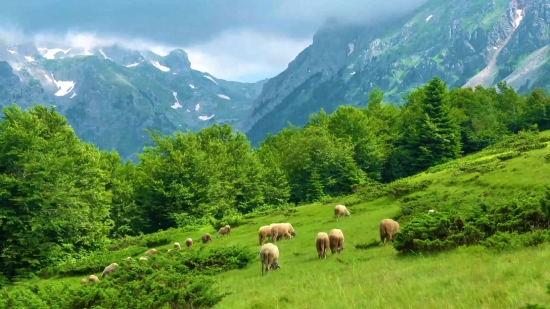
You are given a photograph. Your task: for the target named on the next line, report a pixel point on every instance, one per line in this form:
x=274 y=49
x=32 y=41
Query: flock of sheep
x=188 y=242
x=269 y=252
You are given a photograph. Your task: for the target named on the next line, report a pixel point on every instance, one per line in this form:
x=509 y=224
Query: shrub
x=403 y=187
x=508 y=155
x=132 y=285
x=492 y=223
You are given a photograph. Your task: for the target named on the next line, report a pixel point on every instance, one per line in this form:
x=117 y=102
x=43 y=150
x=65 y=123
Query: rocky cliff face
x=464 y=42
x=110 y=95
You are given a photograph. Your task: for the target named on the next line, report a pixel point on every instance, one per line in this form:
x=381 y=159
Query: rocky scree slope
x=491 y=40
x=110 y=95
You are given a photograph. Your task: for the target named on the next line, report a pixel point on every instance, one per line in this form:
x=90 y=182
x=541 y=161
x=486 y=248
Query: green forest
x=63 y=200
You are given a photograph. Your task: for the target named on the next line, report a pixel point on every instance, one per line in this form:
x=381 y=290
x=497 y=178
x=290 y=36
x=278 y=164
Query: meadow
x=371 y=275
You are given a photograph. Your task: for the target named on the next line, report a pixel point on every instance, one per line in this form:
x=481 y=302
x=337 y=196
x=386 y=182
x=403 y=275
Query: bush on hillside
x=403 y=187
x=204 y=260
x=132 y=285
x=484 y=222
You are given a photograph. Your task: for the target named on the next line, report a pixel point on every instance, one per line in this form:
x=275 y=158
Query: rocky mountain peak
x=178 y=61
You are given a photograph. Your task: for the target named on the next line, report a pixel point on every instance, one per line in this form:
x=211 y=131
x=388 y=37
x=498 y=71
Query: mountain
x=110 y=95
x=464 y=42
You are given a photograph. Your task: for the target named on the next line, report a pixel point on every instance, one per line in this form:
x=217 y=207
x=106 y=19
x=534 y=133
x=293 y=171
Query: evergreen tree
x=438 y=134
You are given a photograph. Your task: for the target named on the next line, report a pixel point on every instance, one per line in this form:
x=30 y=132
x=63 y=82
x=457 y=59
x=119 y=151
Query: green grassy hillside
x=370 y=275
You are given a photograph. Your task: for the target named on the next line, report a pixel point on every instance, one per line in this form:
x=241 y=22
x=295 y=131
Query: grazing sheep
x=109 y=269
x=226 y=230
x=263 y=233
x=94 y=278
x=269 y=256
x=151 y=251
x=84 y=281
x=189 y=242
x=336 y=239
x=206 y=238
x=340 y=210
x=128 y=259
x=280 y=230
x=388 y=229
x=169 y=250
x=431 y=211
x=143 y=258
x=177 y=245
x=322 y=243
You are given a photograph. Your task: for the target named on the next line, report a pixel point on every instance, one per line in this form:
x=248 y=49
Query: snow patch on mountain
x=64 y=87
x=159 y=66
x=50 y=53
x=132 y=65
x=177 y=104
x=103 y=54
x=11 y=51
x=192 y=87
x=205 y=117
x=223 y=96
x=29 y=59
x=210 y=78
x=197 y=107
x=351 y=47
x=428 y=18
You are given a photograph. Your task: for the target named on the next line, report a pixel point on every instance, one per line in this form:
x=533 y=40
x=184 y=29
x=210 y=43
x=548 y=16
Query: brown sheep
x=280 y=230
x=94 y=278
x=177 y=245
x=388 y=229
x=322 y=243
x=206 y=238
x=269 y=256
x=84 y=281
x=151 y=251
x=226 y=230
x=263 y=233
x=189 y=242
x=340 y=210
x=109 y=269
x=336 y=239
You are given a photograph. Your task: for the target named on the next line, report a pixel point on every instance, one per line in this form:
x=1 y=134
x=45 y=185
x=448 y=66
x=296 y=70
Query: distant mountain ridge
x=111 y=94
x=464 y=42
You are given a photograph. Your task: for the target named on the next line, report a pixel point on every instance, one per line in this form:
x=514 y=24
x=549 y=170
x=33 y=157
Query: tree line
x=60 y=196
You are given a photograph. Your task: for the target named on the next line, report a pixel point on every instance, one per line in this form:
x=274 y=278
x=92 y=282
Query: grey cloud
x=192 y=22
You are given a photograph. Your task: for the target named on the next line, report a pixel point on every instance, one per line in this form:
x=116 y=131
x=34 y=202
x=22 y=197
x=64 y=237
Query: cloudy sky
x=243 y=40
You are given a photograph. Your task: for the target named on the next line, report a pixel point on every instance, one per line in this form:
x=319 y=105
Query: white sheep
x=431 y=211
x=322 y=243
x=263 y=233
x=177 y=245
x=336 y=239
x=94 y=278
x=109 y=269
x=388 y=229
x=340 y=210
x=151 y=251
x=226 y=230
x=280 y=230
x=206 y=238
x=269 y=256
x=143 y=258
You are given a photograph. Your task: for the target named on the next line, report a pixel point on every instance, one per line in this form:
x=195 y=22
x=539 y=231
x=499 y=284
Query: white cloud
x=235 y=55
x=242 y=56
